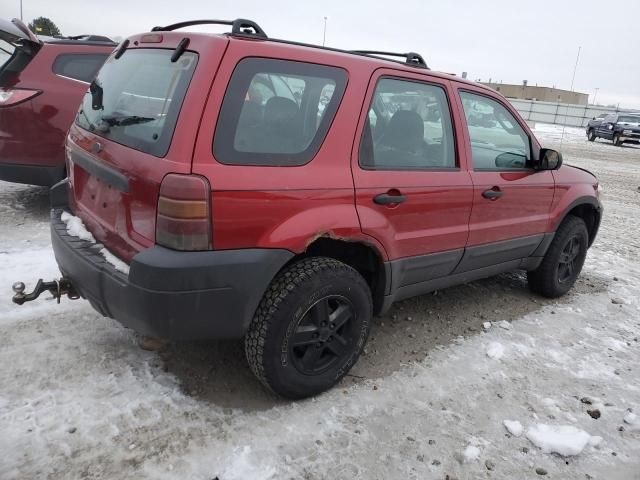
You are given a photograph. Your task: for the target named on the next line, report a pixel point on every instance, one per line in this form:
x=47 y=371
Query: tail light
x=184 y=213
x=13 y=96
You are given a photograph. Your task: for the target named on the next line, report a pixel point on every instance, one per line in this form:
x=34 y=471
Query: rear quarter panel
x=285 y=207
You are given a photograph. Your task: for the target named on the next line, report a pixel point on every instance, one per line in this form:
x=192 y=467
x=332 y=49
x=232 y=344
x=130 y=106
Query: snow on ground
x=80 y=399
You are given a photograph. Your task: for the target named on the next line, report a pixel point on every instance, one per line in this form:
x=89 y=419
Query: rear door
x=413 y=190
x=136 y=124
x=511 y=200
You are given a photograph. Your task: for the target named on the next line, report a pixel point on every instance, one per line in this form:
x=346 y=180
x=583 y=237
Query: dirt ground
x=213 y=377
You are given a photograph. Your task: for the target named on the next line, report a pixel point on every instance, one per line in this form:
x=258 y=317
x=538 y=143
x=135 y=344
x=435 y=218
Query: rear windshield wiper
x=124 y=120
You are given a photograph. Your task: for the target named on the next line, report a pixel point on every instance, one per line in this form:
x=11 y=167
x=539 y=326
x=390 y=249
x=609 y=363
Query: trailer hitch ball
x=18 y=288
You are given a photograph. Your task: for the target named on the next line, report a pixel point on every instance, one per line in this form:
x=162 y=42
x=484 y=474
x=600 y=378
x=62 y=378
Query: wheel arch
x=589 y=210
x=364 y=257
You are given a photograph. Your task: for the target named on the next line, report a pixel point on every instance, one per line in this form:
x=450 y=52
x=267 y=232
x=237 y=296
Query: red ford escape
x=285 y=193
x=41 y=85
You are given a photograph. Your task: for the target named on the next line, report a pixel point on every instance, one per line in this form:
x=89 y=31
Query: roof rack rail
x=411 y=58
x=239 y=27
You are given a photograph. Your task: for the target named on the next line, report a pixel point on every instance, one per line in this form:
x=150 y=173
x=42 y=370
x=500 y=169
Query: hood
x=15 y=31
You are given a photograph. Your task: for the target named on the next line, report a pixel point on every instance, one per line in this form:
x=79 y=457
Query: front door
x=413 y=191
x=511 y=200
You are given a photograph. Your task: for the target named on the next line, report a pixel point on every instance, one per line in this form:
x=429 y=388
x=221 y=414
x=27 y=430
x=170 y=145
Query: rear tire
x=591 y=136
x=309 y=328
x=563 y=261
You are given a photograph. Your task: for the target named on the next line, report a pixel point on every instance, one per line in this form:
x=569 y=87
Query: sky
x=501 y=40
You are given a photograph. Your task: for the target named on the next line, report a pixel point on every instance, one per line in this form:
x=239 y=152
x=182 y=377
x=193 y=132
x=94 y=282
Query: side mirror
x=549 y=160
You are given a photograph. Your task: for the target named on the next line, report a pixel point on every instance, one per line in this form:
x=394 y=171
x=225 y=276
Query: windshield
x=628 y=119
x=135 y=99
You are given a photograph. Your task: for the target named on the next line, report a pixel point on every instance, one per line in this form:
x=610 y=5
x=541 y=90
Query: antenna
x=575 y=68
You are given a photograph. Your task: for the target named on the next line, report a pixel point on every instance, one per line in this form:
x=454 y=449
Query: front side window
x=276 y=112
x=498 y=142
x=79 y=66
x=408 y=127
x=135 y=99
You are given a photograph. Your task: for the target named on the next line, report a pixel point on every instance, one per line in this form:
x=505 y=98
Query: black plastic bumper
x=170 y=294
x=31 y=174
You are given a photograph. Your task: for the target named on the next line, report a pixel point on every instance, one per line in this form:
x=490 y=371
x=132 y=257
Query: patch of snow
x=504 y=324
x=115 y=261
x=486 y=325
x=564 y=440
x=495 y=351
x=548 y=402
x=513 y=427
x=631 y=418
x=471 y=453
x=76 y=228
x=241 y=467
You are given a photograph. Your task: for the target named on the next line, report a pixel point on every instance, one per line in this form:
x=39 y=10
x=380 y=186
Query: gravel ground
x=79 y=399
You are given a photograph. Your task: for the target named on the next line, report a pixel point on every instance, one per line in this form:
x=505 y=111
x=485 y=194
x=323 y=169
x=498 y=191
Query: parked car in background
x=618 y=127
x=237 y=188
x=41 y=85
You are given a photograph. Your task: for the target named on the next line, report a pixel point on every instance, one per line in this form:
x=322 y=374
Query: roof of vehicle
x=247 y=29
x=79 y=40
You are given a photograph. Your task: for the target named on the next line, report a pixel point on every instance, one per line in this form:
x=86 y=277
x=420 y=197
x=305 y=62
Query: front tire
x=591 y=136
x=563 y=261
x=616 y=140
x=309 y=328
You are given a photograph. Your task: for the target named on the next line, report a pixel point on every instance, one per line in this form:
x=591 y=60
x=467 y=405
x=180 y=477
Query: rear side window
x=81 y=66
x=135 y=99
x=276 y=112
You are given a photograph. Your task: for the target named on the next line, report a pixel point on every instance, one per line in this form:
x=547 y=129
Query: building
x=542 y=94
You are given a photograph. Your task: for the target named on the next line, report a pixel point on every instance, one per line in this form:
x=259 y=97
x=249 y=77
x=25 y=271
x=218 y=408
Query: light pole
x=595 y=96
x=21 y=11
x=324 y=34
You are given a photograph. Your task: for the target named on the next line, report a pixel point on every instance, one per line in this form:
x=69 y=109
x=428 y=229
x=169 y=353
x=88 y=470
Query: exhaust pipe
x=57 y=288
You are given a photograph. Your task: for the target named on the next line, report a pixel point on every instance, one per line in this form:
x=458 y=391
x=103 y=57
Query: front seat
x=402 y=143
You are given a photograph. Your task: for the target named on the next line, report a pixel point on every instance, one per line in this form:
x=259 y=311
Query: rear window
x=6 y=50
x=277 y=112
x=83 y=67
x=135 y=99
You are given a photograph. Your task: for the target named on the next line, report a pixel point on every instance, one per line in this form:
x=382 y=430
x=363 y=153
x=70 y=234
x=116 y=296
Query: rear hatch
x=137 y=124
x=18 y=46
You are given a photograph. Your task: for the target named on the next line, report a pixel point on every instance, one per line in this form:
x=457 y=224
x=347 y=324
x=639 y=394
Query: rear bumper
x=31 y=174
x=170 y=294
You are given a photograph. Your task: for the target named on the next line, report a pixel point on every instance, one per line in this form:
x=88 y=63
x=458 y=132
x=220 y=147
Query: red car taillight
x=184 y=214
x=13 y=96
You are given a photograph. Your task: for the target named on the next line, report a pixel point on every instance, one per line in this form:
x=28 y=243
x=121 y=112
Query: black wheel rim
x=569 y=260
x=324 y=335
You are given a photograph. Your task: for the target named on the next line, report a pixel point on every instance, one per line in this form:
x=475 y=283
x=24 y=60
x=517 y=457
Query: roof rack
x=249 y=29
x=411 y=58
x=239 y=27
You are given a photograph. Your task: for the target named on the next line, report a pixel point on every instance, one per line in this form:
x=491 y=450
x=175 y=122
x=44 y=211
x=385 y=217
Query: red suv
x=244 y=187
x=41 y=85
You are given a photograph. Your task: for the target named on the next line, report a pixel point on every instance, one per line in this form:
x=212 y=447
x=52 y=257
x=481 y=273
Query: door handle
x=493 y=193
x=392 y=198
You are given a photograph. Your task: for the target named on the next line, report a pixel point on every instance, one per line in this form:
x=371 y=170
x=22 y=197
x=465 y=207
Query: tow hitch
x=57 y=288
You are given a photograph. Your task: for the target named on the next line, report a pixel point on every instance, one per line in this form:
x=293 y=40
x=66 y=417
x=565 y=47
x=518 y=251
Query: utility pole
x=595 y=96
x=324 y=34
x=21 y=19
x=575 y=68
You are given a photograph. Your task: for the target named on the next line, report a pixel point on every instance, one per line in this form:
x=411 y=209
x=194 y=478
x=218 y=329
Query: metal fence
x=560 y=113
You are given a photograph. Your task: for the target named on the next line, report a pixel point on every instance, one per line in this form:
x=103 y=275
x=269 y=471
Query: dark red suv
x=241 y=186
x=41 y=85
